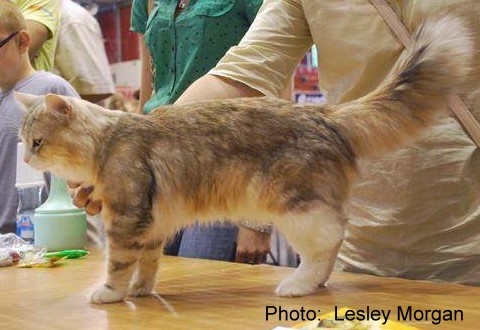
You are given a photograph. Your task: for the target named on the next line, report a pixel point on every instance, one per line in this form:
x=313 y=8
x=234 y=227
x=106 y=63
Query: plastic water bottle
x=29 y=198
x=30 y=187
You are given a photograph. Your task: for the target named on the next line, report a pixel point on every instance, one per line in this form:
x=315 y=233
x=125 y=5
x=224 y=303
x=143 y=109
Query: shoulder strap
x=459 y=109
x=393 y=22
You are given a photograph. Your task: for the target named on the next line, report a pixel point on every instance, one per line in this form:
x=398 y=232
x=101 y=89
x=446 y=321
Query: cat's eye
x=36 y=144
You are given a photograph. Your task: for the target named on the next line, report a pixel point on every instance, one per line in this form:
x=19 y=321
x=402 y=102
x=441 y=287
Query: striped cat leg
x=144 y=278
x=126 y=240
x=316 y=236
x=122 y=259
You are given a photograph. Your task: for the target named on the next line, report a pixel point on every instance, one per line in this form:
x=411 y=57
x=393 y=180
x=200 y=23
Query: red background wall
x=128 y=45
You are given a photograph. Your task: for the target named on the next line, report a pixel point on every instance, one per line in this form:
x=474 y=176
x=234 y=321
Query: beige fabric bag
x=415 y=213
x=459 y=109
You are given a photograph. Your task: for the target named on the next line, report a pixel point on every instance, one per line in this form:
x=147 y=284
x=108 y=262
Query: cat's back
x=232 y=112
x=246 y=125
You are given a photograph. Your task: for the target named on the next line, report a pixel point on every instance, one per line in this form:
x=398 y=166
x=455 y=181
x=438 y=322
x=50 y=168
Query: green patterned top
x=185 y=47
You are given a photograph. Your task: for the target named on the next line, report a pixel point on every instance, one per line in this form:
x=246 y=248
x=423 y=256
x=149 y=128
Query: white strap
x=392 y=20
x=459 y=109
x=466 y=119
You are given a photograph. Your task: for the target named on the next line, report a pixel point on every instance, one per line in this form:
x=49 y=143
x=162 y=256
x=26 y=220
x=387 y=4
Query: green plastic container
x=58 y=224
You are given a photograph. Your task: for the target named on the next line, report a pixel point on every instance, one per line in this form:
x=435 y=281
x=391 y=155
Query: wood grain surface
x=202 y=294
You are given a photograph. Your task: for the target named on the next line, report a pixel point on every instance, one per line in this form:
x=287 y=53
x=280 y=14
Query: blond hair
x=11 y=18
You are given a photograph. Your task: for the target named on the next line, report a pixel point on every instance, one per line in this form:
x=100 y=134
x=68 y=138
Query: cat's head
x=57 y=134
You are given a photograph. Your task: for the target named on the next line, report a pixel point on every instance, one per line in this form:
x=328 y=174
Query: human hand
x=81 y=199
x=252 y=246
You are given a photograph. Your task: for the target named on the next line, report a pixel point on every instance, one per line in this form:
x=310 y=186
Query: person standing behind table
x=181 y=41
x=80 y=56
x=415 y=213
x=17 y=74
x=43 y=21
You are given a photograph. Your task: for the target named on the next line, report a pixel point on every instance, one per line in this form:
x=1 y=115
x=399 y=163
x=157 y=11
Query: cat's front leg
x=122 y=260
x=144 y=279
x=126 y=184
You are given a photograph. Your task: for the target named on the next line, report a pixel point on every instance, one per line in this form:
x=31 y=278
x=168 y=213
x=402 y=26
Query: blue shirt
x=39 y=83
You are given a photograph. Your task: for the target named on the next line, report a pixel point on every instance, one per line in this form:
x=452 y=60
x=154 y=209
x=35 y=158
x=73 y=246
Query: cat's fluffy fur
x=261 y=159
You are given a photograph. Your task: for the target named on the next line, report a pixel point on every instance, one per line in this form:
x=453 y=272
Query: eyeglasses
x=7 y=39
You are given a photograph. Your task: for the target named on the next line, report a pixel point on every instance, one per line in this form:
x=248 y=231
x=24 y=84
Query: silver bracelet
x=264 y=228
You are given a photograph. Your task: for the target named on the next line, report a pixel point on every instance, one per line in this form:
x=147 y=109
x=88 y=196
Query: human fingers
x=244 y=256
x=250 y=257
x=259 y=257
x=82 y=196
x=93 y=207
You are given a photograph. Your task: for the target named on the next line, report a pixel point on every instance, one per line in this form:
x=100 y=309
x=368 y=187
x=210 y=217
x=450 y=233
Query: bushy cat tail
x=417 y=89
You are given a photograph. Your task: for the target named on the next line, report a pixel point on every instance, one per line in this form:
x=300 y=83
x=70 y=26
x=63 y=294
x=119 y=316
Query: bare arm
x=39 y=34
x=145 y=75
x=263 y=62
x=216 y=87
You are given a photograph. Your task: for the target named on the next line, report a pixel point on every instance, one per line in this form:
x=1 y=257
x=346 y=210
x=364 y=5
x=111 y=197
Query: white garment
x=80 y=56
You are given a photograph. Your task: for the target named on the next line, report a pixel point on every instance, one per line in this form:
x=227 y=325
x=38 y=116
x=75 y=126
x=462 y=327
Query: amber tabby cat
x=261 y=159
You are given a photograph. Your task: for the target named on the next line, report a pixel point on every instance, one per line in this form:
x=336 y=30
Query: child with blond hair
x=17 y=74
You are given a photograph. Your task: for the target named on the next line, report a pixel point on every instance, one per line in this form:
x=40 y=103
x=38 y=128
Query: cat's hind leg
x=316 y=236
x=144 y=278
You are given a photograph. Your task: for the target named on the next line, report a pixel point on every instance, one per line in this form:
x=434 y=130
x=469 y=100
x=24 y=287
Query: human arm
x=265 y=59
x=139 y=17
x=216 y=87
x=252 y=245
x=146 y=87
x=253 y=242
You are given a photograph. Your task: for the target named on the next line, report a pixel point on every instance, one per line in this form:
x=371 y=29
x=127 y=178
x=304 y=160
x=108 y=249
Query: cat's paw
x=106 y=295
x=296 y=286
x=142 y=288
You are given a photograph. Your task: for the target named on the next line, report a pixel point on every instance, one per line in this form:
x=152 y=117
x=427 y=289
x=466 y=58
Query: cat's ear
x=59 y=105
x=27 y=100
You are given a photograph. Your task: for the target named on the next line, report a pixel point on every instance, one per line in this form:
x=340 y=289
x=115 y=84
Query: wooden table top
x=203 y=294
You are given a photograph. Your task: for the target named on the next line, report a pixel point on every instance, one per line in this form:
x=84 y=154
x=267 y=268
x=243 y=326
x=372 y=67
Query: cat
x=261 y=159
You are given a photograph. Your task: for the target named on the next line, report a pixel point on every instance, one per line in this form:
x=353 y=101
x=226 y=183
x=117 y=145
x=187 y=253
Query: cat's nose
x=26 y=159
